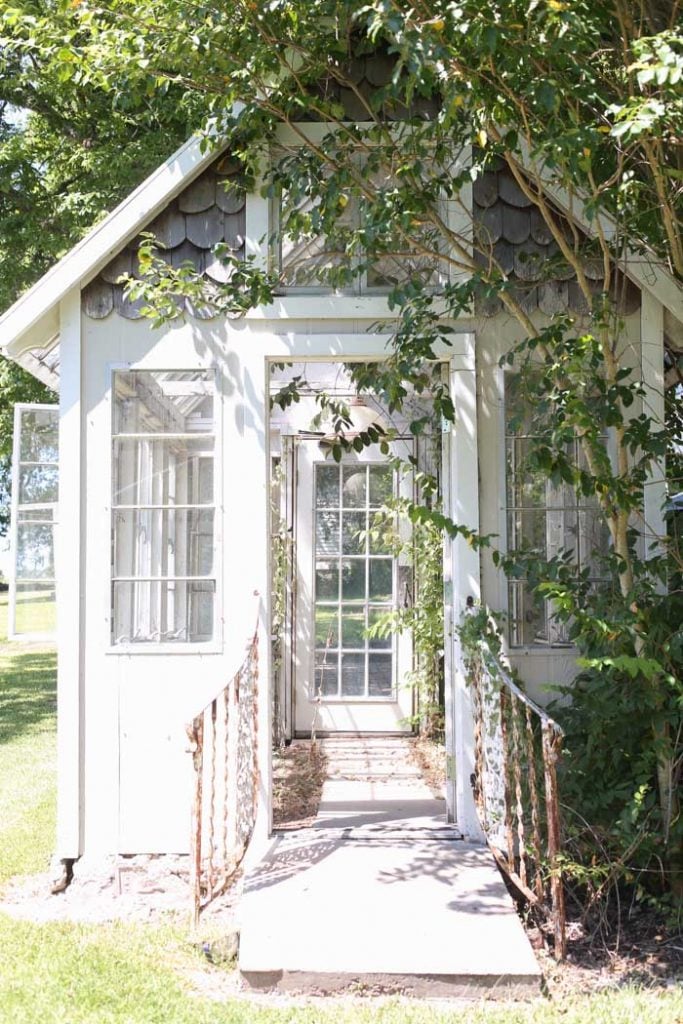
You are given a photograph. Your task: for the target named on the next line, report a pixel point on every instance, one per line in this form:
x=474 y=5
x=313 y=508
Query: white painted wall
x=135 y=774
x=138 y=775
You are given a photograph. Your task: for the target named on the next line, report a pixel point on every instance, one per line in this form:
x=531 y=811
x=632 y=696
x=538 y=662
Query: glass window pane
x=177 y=473
x=327 y=486
x=39 y=440
x=163 y=402
x=528 y=615
x=379 y=675
x=381 y=579
x=354 y=487
x=327 y=533
x=377 y=643
x=353 y=524
x=381 y=485
x=353 y=675
x=35 y=555
x=327 y=581
x=326 y=682
x=156 y=542
x=524 y=488
x=36 y=515
x=527 y=530
x=200 y=602
x=163 y=611
x=163 y=472
x=36 y=608
x=200 y=479
x=38 y=484
x=593 y=541
x=380 y=538
x=326 y=626
x=353 y=627
x=353 y=579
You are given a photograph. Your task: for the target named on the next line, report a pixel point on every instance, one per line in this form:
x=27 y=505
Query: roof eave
x=29 y=323
x=643 y=269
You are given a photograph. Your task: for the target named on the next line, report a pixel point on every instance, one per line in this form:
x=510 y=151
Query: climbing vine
x=418 y=547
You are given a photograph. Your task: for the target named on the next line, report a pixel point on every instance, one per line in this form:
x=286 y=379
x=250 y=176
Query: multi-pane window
x=544 y=519
x=163 y=507
x=354 y=583
x=34 y=509
x=310 y=262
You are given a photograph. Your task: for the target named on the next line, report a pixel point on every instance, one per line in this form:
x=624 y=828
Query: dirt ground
x=298 y=777
x=642 y=950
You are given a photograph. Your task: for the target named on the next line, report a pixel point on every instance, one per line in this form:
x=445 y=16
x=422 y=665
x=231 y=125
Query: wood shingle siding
x=512 y=230
x=209 y=211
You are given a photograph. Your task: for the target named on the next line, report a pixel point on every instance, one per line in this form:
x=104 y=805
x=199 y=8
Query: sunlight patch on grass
x=126 y=974
x=28 y=747
x=4 y=598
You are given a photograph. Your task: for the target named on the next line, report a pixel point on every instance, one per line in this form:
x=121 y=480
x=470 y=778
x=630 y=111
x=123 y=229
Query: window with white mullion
x=353 y=584
x=303 y=264
x=547 y=520
x=163 y=509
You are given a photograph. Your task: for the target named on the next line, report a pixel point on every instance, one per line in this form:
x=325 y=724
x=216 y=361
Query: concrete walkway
x=381 y=893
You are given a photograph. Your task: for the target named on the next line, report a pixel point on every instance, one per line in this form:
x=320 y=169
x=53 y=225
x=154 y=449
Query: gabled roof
x=640 y=267
x=29 y=330
x=31 y=325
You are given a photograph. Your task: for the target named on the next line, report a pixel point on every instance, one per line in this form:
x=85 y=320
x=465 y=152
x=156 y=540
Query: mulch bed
x=642 y=950
x=298 y=777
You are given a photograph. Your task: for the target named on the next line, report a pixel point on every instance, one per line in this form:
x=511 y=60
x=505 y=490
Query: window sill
x=346 y=701
x=209 y=647
x=540 y=650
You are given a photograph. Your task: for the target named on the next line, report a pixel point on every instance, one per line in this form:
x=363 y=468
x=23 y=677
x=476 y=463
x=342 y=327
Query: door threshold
x=327 y=735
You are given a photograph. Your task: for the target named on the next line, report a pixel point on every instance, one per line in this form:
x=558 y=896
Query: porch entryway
x=381 y=893
x=345 y=555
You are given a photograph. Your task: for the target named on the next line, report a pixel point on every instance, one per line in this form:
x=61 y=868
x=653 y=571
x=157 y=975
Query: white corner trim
x=652 y=366
x=69 y=565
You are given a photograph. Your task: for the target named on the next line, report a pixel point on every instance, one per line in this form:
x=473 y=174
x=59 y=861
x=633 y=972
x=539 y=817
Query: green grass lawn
x=149 y=974
x=36 y=610
x=28 y=744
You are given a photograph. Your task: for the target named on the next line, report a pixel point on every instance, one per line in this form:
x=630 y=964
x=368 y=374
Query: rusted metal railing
x=516 y=749
x=223 y=744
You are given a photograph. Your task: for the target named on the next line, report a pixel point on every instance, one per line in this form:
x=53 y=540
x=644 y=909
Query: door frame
x=461 y=563
x=381 y=709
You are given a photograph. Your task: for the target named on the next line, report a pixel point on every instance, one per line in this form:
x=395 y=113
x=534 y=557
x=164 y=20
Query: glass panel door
x=346 y=680
x=355 y=582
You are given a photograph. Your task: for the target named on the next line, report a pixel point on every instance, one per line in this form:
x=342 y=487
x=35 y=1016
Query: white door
x=346 y=681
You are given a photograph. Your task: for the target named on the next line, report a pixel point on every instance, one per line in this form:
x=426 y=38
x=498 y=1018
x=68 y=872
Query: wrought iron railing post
x=222 y=823
x=195 y=733
x=510 y=783
x=551 y=744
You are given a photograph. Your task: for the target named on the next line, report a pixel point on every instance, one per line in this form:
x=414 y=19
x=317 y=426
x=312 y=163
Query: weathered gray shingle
x=210 y=210
x=511 y=231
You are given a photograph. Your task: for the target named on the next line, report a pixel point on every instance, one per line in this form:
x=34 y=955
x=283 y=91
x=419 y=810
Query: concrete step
x=327 y=913
x=381 y=893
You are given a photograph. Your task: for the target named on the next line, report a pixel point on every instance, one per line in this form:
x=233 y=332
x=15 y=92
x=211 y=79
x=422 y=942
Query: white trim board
x=30 y=322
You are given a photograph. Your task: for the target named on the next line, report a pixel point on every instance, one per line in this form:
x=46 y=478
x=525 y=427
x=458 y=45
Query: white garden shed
x=166 y=448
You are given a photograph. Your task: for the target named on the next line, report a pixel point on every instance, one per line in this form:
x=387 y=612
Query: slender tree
x=579 y=102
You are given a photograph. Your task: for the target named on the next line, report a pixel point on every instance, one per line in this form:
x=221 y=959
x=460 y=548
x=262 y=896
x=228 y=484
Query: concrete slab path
x=381 y=893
